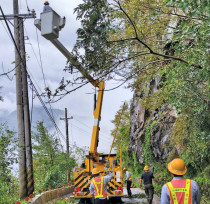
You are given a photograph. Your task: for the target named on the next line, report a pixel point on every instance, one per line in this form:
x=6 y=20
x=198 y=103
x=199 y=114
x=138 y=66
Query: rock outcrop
x=159 y=134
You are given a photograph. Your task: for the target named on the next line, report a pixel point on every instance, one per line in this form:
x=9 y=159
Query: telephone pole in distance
x=67 y=138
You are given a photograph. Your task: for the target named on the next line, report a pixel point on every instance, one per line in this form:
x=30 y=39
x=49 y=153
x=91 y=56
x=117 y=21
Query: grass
x=69 y=201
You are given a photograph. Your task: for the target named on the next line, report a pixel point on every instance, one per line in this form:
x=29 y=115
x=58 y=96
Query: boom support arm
x=49 y=29
x=97 y=118
x=68 y=55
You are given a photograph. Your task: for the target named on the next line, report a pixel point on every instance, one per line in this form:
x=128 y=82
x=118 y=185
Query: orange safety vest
x=180 y=191
x=98 y=184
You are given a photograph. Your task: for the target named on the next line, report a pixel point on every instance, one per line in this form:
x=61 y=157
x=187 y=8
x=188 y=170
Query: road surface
x=135 y=192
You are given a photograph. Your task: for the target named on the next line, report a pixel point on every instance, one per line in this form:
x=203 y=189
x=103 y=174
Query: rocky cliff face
x=159 y=134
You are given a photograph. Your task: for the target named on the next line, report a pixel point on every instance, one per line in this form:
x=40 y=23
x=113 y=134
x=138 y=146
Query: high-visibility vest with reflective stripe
x=98 y=184
x=180 y=191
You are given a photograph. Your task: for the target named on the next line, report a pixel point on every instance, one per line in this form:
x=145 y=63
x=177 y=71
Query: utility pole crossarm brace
x=67 y=118
x=12 y=16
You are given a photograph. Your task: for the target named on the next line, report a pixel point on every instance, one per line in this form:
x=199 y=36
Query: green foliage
x=67 y=201
x=7 y=146
x=122 y=142
x=9 y=190
x=8 y=183
x=122 y=139
x=50 y=163
x=92 y=35
x=147 y=151
x=136 y=167
x=145 y=40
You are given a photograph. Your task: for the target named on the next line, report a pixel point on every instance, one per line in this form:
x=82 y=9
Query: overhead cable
x=40 y=99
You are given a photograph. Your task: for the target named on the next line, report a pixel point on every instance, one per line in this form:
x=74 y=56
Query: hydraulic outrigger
x=50 y=24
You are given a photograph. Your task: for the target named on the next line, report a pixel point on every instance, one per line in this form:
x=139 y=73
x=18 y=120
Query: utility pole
x=27 y=122
x=20 y=120
x=67 y=138
x=26 y=183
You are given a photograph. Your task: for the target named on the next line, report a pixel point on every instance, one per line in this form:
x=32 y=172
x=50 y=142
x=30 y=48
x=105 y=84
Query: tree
x=8 y=157
x=122 y=139
x=122 y=39
x=144 y=42
x=141 y=40
x=148 y=41
x=50 y=162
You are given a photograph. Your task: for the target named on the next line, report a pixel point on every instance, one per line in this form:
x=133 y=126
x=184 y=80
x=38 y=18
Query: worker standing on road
x=98 y=186
x=179 y=190
x=147 y=177
x=128 y=180
x=46 y=7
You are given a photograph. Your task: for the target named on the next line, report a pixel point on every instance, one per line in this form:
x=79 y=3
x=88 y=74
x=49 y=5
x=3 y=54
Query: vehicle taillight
x=79 y=193
x=78 y=189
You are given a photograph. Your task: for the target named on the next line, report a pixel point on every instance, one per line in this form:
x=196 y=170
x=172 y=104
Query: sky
x=41 y=51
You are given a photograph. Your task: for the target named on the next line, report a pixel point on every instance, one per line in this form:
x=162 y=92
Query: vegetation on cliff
x=142 y=42
x=162 y=42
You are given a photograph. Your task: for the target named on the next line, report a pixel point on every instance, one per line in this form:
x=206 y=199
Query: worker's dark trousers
x=100 y=201
x=149 y=190
x=129 y=187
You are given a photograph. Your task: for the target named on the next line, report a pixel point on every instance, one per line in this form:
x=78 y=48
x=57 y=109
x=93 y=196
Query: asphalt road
x=156 y=199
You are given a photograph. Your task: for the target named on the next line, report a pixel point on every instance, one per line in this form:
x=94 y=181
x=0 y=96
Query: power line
x=91 y=128
x=45 y=108
x=6 y=30
x=28 y=71
x=39 y=97
x=82 y=123
x=40 y=65
x=27 y=6
x=32 y=48
x=40 y=57
x=72 y=132
x=32 y=103
x=40 y=88
x=84 y=131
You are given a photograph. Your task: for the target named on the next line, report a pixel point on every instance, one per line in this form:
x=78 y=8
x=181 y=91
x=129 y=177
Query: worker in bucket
x=179 y=190
x=147 y=177
x=47 y=7
x=128 y=181
x=98 y=186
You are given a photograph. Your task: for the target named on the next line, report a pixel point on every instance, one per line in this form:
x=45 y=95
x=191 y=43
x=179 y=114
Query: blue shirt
x=128 y=176
x=47 y=8
x=196 y=197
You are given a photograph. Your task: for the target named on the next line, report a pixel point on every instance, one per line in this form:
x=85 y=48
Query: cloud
x=79 y=103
